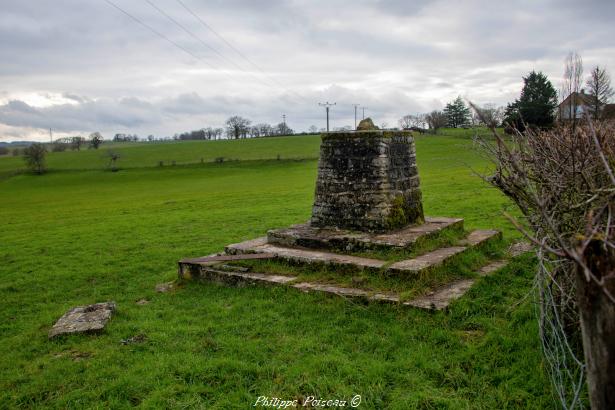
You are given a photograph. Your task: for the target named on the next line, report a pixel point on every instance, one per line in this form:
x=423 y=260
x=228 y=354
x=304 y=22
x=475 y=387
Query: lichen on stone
x=367 y=181
x=366 y=125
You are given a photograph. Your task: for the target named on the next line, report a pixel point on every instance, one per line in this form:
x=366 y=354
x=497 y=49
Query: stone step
x=442 y=297
x=436 y=300
x=246 y=246
x=307 y=236
x=417 y=265
x=439 y=257
x=188 y=267
x=238 y=278
x=308 y=256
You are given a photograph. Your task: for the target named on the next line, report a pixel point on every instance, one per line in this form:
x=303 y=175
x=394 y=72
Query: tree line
x=538 y=105
x=456 y=114
x=237 y=127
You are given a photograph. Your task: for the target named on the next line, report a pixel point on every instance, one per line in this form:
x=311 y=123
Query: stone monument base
x=408 y=238
x=307 y=245
x=367 y=181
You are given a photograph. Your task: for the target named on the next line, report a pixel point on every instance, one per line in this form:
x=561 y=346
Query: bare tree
x=488 y=115
x=265 y=130
x=600 y=90
x=436 y=120
x=283 y=129
x=571 y=84
x=34 y=156
x=77 y=142
x=237 y=127
x=406 y=122
x=95 y=140
x=412 y=121
x=313 y=129
x=255 y=131
x=113 y=157
x=563 y=181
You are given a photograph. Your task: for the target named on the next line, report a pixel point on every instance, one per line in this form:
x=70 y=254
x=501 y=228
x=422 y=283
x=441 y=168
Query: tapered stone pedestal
x=367 y=181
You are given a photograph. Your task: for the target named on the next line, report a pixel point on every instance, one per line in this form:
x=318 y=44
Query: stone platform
x=418 y=265
x=309 y=236
x=439 y=299
x=304 y=244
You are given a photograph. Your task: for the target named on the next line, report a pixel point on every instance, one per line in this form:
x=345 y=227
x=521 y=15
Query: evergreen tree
x=457 y=114
x=512 y=118
x=536 y=105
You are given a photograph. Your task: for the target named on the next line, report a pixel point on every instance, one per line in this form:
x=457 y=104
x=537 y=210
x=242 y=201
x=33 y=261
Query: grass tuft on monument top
x=77 y=237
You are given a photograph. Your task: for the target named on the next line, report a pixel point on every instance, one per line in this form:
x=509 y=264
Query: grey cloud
x=395 y=56
x=89 y=115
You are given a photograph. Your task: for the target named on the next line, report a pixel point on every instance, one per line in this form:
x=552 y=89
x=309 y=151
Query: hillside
x=86 y=235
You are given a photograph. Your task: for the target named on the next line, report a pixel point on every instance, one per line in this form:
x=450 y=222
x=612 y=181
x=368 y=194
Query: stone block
x=83 y=319
x=367 y=181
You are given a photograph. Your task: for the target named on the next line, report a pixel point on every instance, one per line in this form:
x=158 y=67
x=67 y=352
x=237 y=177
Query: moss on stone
x=402 y=213
x=366 y=125
x=340 y=135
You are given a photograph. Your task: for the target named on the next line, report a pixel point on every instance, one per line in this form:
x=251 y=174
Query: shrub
x=34 y=156
x=58 y=147
x=113 y=158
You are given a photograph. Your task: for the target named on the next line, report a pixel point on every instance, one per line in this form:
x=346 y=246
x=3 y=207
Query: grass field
x=80 y=235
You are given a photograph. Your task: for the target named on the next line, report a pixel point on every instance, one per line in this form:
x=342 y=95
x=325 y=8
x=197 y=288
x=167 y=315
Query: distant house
x=577 y=104
x=574 y=106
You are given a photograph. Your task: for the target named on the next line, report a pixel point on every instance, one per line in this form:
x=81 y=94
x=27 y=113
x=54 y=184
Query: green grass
x=77 y=237
x=139 y=155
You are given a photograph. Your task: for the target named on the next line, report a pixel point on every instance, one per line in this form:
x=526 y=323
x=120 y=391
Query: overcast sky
x=79 y=66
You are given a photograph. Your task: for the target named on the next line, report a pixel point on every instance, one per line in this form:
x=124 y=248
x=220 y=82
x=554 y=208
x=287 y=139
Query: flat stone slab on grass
x=165 y=287
x=307 y=236
x=83 y=319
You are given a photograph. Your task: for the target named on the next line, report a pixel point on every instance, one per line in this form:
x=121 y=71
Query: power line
x=200 y=40
x=153 y=30
x=184 y=49
x=191 y=34
x=242 y=55
x=210 y=28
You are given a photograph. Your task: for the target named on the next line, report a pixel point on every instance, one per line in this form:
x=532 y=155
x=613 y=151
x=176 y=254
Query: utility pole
x=355 y=115
x=50 y=136
x=363 y=111
x=327 y=105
